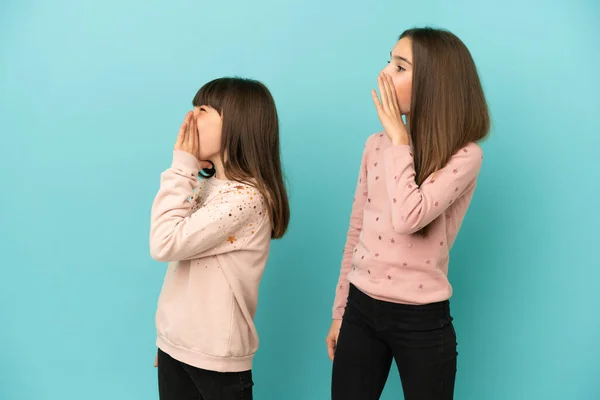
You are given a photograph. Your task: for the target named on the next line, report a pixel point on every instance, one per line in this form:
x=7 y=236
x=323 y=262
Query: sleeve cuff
x=401 y=150
x=338 y=313
x=186 y=162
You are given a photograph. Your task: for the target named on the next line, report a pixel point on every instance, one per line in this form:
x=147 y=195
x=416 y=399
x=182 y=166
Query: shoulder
x=469 y=154
x=235 y=205
x=374 y=140
x=474 y=149
x=466 y=162
x=373 y=143
x=243 y=196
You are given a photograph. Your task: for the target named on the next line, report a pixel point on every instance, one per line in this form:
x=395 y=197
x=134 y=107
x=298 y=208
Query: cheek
x=210 y=139
x=403 y=86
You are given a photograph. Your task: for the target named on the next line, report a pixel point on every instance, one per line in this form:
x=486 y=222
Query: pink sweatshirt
x=215 y=235
x=383 y=257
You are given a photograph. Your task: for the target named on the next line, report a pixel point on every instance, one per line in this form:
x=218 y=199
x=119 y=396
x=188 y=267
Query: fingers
x=376 y=100
x=186 y=127
x=393 y=96
x=383 y=93
x=389 y=91
x=183 y=125
x=331 y=344
x=189 y=132
x=156 y=361
x=192 y=135
x=195 y=136
x=181 y=136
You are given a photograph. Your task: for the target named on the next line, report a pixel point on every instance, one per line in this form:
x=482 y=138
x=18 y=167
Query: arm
x=175 y=235
x=356 y=223
x=413 y=207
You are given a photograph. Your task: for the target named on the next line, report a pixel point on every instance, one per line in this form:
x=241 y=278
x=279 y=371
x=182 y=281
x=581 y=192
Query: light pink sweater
x=215 y=234
x=383 y=256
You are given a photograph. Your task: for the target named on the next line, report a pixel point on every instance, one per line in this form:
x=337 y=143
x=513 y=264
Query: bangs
x=212 y=94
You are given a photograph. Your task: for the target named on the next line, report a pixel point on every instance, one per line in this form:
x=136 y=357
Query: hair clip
x=207 y=172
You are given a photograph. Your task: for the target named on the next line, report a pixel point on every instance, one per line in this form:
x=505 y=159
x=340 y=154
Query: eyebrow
x=401 y=59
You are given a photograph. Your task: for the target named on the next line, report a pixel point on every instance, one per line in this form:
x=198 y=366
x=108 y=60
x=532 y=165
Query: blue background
x=92 y=95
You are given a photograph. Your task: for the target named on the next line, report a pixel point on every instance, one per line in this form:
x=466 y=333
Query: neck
x=219 y=168
x=408 y=129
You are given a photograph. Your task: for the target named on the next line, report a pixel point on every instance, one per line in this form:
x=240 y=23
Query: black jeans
x=179 y=381
x=420 y=338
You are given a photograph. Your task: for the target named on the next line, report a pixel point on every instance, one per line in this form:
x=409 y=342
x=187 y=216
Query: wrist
x=400 y=140
x=185 y=160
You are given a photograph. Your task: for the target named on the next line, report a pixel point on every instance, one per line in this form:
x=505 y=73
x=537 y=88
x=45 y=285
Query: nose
x=386 y=68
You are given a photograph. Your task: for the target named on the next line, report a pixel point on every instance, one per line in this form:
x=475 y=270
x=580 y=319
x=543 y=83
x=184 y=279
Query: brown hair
x=448 y=108
x=250 y=140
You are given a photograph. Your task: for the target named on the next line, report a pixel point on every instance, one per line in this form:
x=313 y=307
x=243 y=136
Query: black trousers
x=420 y=338
x=179 y=381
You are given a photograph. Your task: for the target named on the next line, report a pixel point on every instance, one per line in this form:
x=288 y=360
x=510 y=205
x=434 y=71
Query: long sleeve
x=412 y=206
x=224 y=223
x=356 y=223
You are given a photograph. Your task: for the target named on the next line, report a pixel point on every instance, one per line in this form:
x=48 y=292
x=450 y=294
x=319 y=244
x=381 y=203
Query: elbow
x=408 y=220
x=158 y=255
x=404 y=229
x=405 y=226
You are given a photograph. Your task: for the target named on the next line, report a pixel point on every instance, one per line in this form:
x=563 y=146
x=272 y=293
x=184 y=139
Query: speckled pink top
x=383 y=256
x=215 y=234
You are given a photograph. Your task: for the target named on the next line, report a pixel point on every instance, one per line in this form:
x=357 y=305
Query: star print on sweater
x=216 y=236
x=383 y=255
